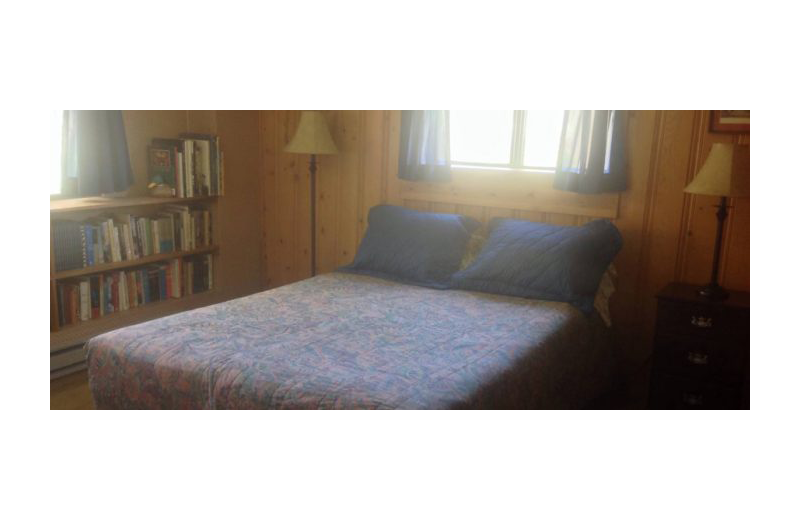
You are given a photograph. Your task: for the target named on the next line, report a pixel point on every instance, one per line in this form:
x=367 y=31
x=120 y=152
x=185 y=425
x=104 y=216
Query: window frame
x=69 y=187
x=517 y=154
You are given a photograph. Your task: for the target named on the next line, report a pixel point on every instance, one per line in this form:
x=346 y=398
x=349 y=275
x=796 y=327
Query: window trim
x=517 y=154
x=69 y=187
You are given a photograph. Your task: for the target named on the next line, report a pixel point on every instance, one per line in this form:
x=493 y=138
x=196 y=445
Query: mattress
x=348 y=341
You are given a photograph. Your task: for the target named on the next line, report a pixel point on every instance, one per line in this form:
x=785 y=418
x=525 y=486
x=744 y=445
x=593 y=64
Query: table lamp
x=718 y=177
x=313 y=138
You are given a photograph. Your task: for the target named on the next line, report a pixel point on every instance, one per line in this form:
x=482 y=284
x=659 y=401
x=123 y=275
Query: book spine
x=84 y=259
x=117 y=247
x=95 y=296
x=180 y=181
x=74 y=305
x=60 y=296
x=86 y=301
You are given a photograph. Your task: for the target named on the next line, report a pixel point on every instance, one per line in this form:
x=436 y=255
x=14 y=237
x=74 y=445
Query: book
x=94 y=296
x=161 y=166
x=85 y=300
x=69 y=245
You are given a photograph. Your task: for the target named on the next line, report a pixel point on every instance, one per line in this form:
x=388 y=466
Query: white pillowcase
x=604 y=291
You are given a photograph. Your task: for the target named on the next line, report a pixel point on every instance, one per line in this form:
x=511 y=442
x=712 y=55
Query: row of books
x=128 y=237
x=192 y=166
x=94 y=296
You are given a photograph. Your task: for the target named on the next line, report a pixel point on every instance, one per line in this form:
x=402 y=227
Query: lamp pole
x=713 y=290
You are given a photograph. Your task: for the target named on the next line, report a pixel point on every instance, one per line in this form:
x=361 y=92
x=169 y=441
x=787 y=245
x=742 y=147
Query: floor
x=71 y=392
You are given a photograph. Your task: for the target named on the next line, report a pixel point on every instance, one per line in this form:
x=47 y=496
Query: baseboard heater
x=67 y=360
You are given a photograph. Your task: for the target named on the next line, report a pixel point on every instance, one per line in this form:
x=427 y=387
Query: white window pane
x=56 y=139
x=481 y=136
x=542 y=137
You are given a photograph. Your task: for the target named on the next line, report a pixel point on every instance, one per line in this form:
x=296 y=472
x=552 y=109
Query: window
x=56 y=150
x=515 y=139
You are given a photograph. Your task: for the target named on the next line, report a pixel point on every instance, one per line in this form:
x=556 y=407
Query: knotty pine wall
x=238 y=215
x=668 y=235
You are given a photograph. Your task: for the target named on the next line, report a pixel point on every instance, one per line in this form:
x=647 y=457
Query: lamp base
x=713 y=291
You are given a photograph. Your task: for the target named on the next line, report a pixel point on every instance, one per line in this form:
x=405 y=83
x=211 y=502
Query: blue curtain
x=96 y=159
x=591 y=158
x=424 y=146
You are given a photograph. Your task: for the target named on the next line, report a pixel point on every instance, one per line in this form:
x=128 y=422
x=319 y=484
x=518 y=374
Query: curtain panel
x=424 y=146
x=96 y=156
x=591 y=158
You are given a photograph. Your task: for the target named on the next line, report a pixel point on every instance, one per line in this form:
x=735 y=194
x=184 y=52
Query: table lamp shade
x=312 y=135
x=719 y=175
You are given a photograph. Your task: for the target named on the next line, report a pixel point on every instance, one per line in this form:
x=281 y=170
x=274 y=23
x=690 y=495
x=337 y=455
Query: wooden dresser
x=701 y=352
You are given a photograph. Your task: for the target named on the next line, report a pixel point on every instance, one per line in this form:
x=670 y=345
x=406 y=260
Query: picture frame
x=730 y=121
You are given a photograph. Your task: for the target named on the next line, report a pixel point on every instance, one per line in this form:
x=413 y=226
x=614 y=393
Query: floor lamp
x=313 y=138
x=718 y=177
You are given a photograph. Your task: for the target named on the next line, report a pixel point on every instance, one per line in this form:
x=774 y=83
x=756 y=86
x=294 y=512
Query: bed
x=351 y=341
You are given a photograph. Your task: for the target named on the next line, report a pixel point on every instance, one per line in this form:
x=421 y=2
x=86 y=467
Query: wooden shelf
x=59 y=207
x=113 y=266
x=78 y=333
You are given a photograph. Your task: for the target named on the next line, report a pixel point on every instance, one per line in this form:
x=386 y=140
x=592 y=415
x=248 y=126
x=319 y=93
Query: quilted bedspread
x=347 y=341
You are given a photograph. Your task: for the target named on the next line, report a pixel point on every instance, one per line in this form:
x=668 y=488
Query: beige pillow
x=474 y=246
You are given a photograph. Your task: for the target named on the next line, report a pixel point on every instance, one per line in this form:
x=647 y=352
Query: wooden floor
x=71 y=392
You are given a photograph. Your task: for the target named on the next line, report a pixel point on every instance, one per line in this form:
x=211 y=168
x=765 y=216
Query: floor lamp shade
x=313 y=138
x=718 y=175
x=722 y=175
x=312 y=135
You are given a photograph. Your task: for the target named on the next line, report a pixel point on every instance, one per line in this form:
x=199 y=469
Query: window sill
x=500 y=169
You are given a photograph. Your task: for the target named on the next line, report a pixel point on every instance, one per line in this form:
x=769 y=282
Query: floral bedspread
x=347 y=341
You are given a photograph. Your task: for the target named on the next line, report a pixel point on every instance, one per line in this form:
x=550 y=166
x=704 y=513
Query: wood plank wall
x=668 y=235
x=348 y=184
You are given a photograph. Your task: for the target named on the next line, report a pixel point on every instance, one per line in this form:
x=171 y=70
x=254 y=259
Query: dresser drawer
x=673 y=392
x=698 y=358
x=702 y=321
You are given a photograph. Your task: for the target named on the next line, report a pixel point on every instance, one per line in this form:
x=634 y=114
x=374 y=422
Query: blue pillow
x=543 y=262
x=411 y=246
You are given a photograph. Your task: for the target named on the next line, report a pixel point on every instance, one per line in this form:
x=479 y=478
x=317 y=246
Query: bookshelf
x=65 y=336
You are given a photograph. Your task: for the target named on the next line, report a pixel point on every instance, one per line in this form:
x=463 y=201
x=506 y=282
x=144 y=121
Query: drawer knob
x=697 y=358
x=702 y=322
x=693 y=399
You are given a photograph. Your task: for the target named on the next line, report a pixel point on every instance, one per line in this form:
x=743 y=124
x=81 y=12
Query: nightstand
x=701 y=352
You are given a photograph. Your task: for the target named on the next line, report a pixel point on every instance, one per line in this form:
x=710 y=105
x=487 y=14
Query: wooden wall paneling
x=529 y=192
x=533 y=216
x=476 y=212
x=419 y=205
x=392 y=150
x=347 y=138
x=736 y=260
x=664 y=226
x=328 y=203
x=140 y=128
x=238 y=267
x=201 y=121
x=498 y=213
x=642 y=138
x=374 y=139
x=301 y=177
x=285 y=194
x=443 y=207
x=268 y=138
x=560 y=219
x=736 y=252
x=700 y=222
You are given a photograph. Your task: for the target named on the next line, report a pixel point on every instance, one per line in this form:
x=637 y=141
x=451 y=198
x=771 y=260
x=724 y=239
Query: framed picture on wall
x=730 y=121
